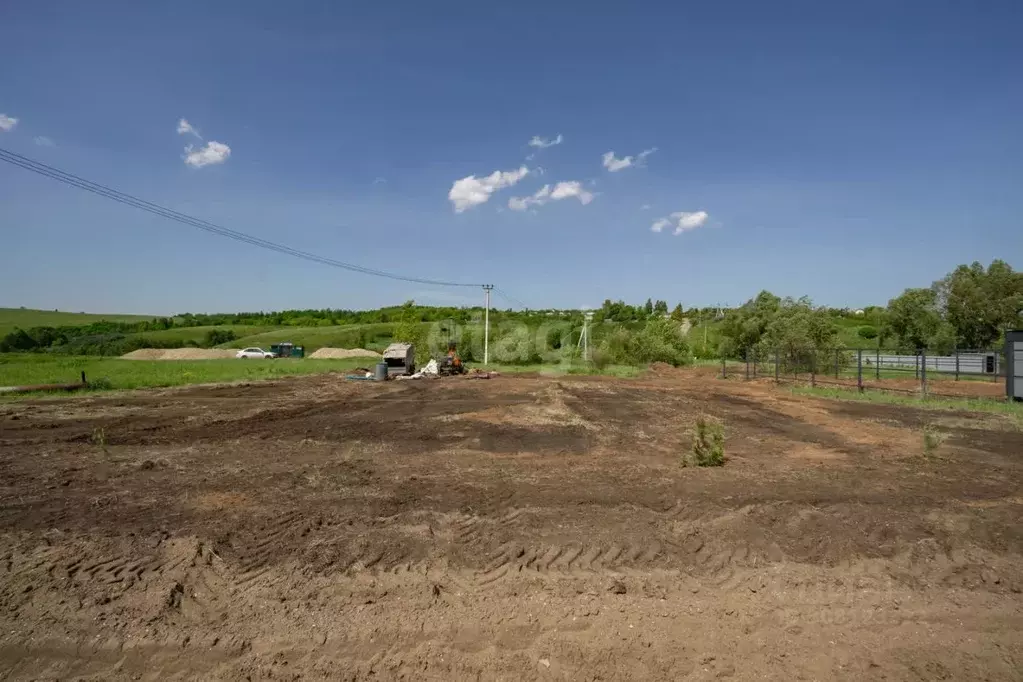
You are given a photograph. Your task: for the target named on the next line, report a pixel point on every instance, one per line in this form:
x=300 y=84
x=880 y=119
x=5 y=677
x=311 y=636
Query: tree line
x=969 y=308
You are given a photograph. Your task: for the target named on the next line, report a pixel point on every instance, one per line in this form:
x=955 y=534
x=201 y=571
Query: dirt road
x=513 y=529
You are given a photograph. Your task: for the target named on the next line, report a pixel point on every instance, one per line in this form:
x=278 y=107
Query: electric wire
x=72 y=180
x=511 y=299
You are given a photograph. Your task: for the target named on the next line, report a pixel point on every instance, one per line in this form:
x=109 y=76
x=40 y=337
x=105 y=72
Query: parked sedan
x=255 y=353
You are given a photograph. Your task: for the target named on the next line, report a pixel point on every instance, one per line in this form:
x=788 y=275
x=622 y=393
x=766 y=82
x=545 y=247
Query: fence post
x=724 y=374
x=998 y=356
x=754 y=363
x=747 y=363
x=813 y=368
x=923 y=372
x=957 y=363
x=859 y=369
x=877 y=364
x=836 y=363
x=777 y=367
x=916 y=365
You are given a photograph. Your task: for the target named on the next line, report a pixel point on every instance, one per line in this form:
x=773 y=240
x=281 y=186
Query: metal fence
x=977 y=373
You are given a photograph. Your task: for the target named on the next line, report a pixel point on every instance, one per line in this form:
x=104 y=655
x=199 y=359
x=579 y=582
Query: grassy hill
x=27 y=317
x=198 y=334
x=372 y=336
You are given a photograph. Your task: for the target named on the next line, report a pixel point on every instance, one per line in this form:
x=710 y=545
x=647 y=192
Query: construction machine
x=450 y=363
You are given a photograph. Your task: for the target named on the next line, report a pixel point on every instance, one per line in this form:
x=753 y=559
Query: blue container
x=381 y=373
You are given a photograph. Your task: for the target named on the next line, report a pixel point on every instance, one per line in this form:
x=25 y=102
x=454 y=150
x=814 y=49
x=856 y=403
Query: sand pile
x=179 y=354
x=339 y=353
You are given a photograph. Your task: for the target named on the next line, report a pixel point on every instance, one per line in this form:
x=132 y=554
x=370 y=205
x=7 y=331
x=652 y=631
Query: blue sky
x=839 y=150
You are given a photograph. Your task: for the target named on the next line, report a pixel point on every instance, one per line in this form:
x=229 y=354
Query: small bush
x=867 y=332
x=600 y=358
x=708 y=443
x=99 y=438
x=933 y=440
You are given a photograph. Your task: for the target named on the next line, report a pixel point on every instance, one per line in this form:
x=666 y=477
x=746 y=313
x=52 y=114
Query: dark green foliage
x=867 y=332
x=215 y=337
x=18 y=340
x=659 y=340
x=793 y=327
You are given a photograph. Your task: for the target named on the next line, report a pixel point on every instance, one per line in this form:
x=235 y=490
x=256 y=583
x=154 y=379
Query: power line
x=511 y=299
x=130 y=200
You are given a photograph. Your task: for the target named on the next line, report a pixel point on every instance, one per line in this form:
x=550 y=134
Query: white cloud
x=572 y=188
x=689 y=221
x=472 y=191
x=614 y=164
x=7 y=123
x=543 y=143
x=44 y=141
x=562 y=190
x=683 y=221
x=660 y=224
x=645 y=207
x=211 y=153
x=379 y=181
x=186 y=128
x=539 y=198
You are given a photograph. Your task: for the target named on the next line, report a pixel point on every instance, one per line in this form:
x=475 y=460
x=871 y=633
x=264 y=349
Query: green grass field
x=198 y=334
x=376 y=337
x=26 y=318
x=115 y=373
x=1012 y=409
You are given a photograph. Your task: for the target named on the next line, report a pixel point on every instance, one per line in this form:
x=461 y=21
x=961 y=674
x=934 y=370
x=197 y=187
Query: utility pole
x=486 y=326
x=584 y=338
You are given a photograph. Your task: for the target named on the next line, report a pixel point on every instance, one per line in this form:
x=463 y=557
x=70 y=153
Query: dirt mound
x=144 y=354
x=179 y=354
x=339 y=353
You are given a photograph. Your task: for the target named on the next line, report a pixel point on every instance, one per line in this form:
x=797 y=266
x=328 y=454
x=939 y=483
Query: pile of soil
x=339 y=353
x=179 y=354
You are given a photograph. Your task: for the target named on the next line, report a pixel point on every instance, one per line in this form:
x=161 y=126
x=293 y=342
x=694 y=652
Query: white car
x=255 y=353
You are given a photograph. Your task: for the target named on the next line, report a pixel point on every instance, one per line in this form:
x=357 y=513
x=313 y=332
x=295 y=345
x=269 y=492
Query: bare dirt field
x=512 y=529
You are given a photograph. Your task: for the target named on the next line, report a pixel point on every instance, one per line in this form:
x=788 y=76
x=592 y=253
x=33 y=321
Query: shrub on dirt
x=933 y=440
x=99 y=438
x=708 y=443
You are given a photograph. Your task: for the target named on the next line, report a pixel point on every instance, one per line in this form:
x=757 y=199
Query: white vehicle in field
x=255 y=353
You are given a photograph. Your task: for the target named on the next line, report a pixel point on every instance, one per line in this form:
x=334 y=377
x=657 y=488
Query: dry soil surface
x=512 y=529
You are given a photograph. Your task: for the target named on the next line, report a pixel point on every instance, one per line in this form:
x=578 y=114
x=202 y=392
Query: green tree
x=979 y=304
x=914 y=317
x=661 y=308
x=678 y=314
x=407 y=329
x=745 y=326
x=648 y=307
